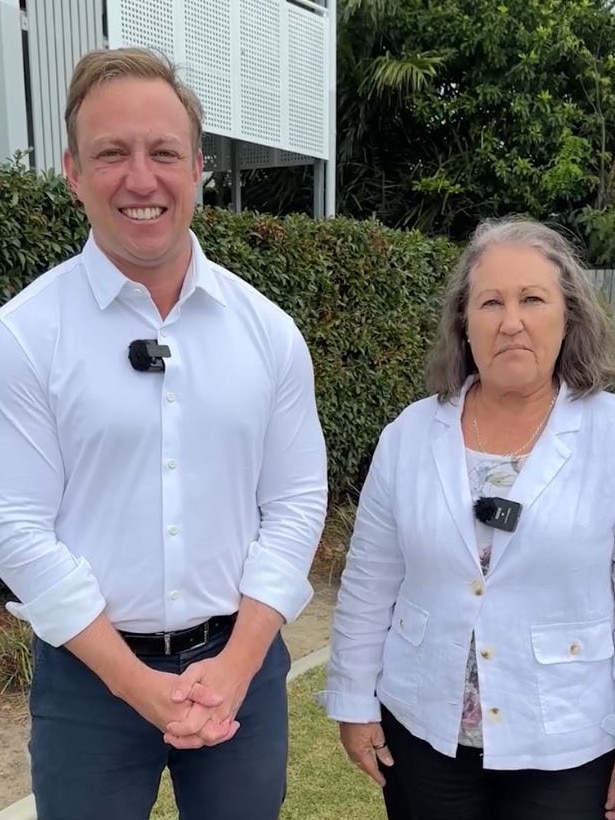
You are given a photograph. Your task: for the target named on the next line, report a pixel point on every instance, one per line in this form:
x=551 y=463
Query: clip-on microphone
x=499 y=513
x=147 y=355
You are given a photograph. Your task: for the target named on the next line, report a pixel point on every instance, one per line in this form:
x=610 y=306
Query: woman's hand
x=365 y=746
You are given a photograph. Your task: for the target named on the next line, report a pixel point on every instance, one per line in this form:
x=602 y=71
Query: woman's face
x=516 y=318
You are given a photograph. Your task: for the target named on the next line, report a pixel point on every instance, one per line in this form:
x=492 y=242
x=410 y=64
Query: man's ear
x=198 y=166
x=71 y=172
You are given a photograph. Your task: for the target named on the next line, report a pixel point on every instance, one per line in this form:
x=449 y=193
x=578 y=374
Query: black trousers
x=426 y=785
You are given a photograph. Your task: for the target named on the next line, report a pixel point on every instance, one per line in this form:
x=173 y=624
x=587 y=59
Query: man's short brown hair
x=101 y=65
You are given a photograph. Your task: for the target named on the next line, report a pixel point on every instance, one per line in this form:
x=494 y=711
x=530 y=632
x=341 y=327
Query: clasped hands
x=198 y=707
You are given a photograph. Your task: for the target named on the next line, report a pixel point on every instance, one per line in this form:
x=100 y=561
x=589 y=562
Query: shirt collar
x=201 y=275
x=107 y=281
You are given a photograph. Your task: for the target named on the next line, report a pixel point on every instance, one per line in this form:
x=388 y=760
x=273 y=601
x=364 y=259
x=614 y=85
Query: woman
x=472 y=660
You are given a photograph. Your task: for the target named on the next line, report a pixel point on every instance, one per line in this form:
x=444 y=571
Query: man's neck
x=164 y=282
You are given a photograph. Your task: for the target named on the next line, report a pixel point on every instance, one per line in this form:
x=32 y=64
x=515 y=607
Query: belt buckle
x=205 y=635
x=166 y=637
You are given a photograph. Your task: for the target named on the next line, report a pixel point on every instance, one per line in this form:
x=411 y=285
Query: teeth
x=142 y=213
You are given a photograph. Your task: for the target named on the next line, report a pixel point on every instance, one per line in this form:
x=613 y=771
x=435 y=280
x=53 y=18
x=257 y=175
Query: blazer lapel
x=448 y=452
x=549 y=455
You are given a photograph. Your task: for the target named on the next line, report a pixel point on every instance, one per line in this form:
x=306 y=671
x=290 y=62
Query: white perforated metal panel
x=259 y=67
x=260 y=76
x=261 y=156
x=149 y=23
x=256 y=156
x=217 y=155
x=307 y=82
x=292 y=158
x=209 y=59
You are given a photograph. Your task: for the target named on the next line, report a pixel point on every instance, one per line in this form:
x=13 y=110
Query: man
x=163 y=482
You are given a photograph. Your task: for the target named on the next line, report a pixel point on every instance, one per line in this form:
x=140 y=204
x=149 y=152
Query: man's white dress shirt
x=160 y=497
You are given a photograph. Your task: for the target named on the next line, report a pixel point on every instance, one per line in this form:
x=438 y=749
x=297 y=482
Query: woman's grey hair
x=586 y=361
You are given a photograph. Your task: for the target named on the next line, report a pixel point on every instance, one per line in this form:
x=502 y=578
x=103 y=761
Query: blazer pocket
x=402 y=660
x=410 y=621
x=574 y=673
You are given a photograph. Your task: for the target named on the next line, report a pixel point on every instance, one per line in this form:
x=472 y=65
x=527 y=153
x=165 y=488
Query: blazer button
x=478 y=587
x=575 y=649
x=486 y=653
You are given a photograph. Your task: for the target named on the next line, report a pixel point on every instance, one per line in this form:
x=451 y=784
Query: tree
x=377 y=76
x=453 y=110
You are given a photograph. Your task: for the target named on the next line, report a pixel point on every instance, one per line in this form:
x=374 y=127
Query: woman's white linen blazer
x=413 y=592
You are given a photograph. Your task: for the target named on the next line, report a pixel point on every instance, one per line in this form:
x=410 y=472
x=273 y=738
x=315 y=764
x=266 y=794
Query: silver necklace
x=527 y=445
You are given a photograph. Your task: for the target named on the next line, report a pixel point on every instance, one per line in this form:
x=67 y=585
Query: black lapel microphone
x=148 y=356
x=499 y=513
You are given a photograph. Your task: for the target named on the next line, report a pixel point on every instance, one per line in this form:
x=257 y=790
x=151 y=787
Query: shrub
x=365 y=297
x=596 y=229
x=39 y=225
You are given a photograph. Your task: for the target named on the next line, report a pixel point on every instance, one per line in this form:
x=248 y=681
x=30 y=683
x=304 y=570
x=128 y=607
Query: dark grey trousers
x=95 y=758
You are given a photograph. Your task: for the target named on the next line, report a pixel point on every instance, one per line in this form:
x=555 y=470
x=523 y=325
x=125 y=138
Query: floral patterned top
x=489 y=475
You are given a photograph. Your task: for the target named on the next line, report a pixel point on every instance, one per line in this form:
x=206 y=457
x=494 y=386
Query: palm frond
x=374 y=10
x=399 y=75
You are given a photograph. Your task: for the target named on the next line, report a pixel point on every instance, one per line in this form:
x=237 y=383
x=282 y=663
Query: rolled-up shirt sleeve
x=58 y=592
x=369 y=588
x=292 y=491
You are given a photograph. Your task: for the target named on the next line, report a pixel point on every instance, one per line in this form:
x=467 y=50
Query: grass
x=15 y=656
x=322 y=783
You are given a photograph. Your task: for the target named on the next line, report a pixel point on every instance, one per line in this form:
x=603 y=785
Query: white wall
x=13 y=122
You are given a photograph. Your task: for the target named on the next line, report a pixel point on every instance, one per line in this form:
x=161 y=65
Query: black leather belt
x=170 y=643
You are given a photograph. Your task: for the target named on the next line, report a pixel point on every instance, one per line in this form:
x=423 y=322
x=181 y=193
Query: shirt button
x=478 y=588
x=486 y=653
x=575 y=649
x=174 y=595
x=170 y=396
x=173 y=530
x=163 y=331
x=171 y=464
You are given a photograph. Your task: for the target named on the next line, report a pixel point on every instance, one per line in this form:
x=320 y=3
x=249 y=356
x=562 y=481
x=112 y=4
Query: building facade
x=263 y=69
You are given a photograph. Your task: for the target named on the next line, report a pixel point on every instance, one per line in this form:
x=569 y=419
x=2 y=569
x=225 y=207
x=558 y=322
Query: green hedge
x=365 y=297
x=39 y=226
